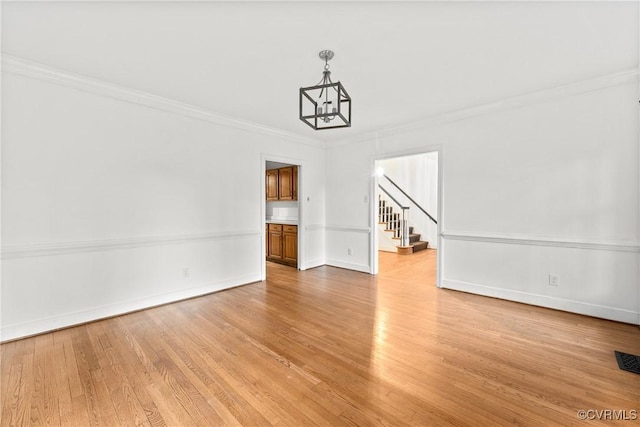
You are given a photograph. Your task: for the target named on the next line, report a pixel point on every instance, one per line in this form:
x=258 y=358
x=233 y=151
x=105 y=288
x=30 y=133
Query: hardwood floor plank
x=17 y=401
x=235 y=365
x=325 y=346
x=99 y=407
x=8 y=383
x=44 y=403
x=121 y=385
x=13 y=395
x=61 y=389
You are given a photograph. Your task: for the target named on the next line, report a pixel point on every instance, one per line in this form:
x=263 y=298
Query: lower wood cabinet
x=282 y=244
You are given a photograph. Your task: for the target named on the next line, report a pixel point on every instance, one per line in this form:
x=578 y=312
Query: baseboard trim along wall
x=39 y=326
x=604 y=312
x=544 y=241
x=64 y=248
x=318 y=262
x=364 y=268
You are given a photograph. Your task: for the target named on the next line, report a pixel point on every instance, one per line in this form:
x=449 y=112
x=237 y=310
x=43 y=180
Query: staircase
x=392 y=224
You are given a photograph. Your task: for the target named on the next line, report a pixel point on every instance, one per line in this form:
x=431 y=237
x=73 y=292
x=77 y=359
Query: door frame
x=264 y=158
x=373 y=219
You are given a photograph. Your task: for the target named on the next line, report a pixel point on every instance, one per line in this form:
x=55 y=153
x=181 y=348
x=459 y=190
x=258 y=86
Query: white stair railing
x=396 y=222
x=404 y=227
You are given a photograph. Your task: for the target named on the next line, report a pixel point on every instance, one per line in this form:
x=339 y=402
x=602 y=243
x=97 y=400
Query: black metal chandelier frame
x=320 y=111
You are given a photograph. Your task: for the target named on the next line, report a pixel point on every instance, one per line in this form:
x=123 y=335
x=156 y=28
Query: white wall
x=417 y=175
x=111 y=206
x=539 y=184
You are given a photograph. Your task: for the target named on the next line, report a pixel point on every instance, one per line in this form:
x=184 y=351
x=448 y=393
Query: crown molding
x=27 y=68
x=31 y=69
x=537 y=97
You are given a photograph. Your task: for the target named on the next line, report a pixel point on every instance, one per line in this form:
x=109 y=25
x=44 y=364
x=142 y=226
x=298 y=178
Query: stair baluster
x=398 y=224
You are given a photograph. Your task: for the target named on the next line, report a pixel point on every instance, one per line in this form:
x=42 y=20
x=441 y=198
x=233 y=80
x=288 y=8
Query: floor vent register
x=628 y=362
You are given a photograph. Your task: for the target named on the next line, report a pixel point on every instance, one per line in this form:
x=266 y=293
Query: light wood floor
x=325 y=347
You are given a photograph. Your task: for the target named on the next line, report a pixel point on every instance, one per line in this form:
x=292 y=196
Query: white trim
x=579 y=307
x=26 y=68
x=544 y=241
x=373 y=241
x=518 y=101
x=47 y=324
x=348 y=228
x=303 y=1
x=364 y=268
x=314 y=227
x=638 y=160
x=319 y=262
x=374 y=212
x=63 y=248
x=302 y=212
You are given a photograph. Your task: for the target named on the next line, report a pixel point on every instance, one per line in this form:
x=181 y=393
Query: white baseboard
x=350 y=266
x=313 y=264
x=603 y=312
x=13 y=332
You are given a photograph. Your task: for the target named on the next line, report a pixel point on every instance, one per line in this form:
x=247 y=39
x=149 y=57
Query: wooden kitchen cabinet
x=275 y=242
x=272 y=184
x=294 y=183
x=282 y=244
x=290 y=244
x=282 y=184
x=285 y=183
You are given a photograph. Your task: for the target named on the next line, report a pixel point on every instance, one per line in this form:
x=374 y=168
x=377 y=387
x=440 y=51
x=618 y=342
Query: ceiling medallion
x=326 y=105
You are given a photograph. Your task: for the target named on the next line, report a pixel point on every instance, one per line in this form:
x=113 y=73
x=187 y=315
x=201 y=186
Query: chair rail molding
x=532 y=240
x=348 y=228
x=64 y=248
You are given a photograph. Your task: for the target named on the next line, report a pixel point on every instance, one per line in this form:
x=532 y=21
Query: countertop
x=282 y=221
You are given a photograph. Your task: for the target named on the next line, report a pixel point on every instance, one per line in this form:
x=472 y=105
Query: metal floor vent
x=628 y=362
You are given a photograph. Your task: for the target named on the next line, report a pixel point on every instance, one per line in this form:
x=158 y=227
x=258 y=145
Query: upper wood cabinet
x=282 y=184
x=286 y=183
x=294 y=183
x=272 y=184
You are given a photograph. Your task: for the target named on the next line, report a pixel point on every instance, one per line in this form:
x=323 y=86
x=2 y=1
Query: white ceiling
x=400 y=61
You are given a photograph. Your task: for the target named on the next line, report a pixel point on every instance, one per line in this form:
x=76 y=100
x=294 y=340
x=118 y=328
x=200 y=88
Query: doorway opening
x=282 y=214
x=407 y=209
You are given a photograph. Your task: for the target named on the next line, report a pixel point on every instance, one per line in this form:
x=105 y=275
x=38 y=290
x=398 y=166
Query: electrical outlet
x=554 y=279
x=186 y=273
x=349 y=252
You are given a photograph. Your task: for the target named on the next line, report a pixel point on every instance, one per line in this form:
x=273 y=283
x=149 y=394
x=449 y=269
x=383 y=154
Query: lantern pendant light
x=326 y=105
